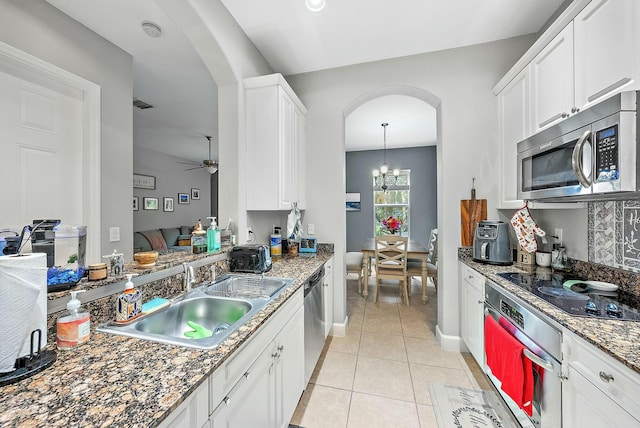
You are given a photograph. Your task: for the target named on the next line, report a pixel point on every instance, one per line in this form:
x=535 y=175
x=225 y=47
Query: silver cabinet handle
x=575 y=109
x=480 y=302
x=281 y=348
x=565 y=115
x=606 y=377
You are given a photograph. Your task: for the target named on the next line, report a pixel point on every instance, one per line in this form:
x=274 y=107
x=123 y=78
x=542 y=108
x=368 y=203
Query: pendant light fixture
x=382 y=177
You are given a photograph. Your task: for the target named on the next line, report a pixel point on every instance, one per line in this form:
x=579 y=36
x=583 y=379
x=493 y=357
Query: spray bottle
x=74 y=327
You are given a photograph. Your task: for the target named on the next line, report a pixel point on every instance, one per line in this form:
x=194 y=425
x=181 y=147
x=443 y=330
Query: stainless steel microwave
x=591 y=155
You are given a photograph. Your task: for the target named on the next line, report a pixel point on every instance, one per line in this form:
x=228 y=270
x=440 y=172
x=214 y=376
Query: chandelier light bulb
x=376 y=173
x=396 y=172
x=384 y=168
x=315 y=5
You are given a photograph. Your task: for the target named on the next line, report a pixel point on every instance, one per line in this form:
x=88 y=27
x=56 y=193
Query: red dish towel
x=507 y=362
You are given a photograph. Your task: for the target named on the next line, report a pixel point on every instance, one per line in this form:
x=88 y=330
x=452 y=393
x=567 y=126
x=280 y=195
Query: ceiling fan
x=210 y=165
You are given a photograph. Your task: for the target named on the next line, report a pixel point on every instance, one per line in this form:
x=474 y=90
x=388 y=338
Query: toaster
x=251 y=258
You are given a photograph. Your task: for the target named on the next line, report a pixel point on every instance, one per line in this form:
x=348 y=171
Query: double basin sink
x=220 y=307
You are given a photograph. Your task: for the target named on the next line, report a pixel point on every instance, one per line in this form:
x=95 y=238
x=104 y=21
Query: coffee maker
x=491 y=243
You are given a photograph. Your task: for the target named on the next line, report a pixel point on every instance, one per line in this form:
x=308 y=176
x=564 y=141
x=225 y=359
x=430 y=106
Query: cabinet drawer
x=617 y=381
x=475 y=279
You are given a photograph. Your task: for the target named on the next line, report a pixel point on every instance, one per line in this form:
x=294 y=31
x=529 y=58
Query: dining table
x=415 y=250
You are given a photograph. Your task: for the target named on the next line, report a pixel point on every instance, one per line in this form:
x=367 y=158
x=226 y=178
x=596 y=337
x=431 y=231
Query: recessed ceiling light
x=152 y=29
x=315 y=5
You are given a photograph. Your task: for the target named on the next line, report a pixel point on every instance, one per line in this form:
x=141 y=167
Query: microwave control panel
x=606 y=145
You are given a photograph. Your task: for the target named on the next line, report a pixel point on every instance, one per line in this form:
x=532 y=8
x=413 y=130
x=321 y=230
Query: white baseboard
x=340 y=329
x=449 y=343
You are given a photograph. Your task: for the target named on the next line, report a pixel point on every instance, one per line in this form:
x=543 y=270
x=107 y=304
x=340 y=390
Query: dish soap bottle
x=213 y=236
x=129 y=303
x=74 y=327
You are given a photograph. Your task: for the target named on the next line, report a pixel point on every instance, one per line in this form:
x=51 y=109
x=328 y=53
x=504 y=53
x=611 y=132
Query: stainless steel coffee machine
x=491 y=243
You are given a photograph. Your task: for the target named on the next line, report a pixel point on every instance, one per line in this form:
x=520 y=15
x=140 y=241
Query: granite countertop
x=115 y=380
x=619 y=339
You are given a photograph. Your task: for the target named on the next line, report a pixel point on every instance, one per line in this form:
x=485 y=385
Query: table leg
x=366 y=265
x=424 y=279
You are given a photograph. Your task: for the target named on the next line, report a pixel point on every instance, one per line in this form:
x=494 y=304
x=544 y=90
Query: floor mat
x=457 y=407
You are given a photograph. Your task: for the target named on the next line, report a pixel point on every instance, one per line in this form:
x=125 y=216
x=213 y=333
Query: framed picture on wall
x=135 y=203
x=195 y=193
x=150 y=203
x=353 y=201
x=144 y=182
x=183 y=198
x=167 y=205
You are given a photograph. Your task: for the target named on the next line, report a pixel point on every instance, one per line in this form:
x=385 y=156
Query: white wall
x=171 y=179
x=462 y=80
x=39 y=29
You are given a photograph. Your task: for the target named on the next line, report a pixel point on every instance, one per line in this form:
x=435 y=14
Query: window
x=393 y=202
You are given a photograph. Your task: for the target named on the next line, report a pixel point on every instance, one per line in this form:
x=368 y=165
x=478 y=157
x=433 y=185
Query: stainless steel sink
x=221 y=307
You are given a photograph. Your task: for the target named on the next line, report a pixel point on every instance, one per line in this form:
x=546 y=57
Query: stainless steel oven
x=592 y=155
x=543 y=346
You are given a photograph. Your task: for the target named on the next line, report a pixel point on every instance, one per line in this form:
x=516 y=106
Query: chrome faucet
x=189 y=277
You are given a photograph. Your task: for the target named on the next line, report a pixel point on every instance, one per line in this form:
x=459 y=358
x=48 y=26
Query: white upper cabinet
x=552 y=81
x=275 y=144
x=606 y=49
x=514 y=113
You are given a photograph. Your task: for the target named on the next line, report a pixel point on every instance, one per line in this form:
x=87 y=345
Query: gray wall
x=41 y=30
x=171 y=179
x=422 y=199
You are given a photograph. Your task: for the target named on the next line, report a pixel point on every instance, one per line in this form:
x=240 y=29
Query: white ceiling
x=169 y=74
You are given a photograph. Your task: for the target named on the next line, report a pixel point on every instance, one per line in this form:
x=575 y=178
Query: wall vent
x=141 y=104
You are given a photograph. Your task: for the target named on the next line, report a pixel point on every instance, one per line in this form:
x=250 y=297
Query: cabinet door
x=606 y=49
x=472 y=312
x=300 y=177
x=514 y=110
x=552 y=81
x=585 y=406
x=252 y=402
x=290 y=368
x=327 y=297
x=287 y=151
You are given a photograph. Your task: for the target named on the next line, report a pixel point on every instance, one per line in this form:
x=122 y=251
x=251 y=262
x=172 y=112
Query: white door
x=41 y=150
x=605 y=42
x=552 y=81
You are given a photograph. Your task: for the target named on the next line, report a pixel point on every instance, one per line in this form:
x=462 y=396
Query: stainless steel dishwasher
x=313 y=322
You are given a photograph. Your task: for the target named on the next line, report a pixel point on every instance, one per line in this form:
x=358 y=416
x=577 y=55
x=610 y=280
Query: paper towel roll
x=23 y=296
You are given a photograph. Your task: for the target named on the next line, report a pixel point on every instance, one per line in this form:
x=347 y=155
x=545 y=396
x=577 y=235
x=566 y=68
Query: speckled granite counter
x=619 y=339
x=119 y=381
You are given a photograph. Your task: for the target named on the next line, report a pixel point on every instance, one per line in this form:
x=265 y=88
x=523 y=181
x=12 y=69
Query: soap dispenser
x=74 y=327
x=129 y=303
x=213 y=236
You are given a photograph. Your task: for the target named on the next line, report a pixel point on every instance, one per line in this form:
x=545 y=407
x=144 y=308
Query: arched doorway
x=407 y=91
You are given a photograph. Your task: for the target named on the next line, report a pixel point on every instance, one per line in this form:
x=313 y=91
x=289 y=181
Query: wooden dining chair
x=391 y=262
x=414 y=267
x=354 y=265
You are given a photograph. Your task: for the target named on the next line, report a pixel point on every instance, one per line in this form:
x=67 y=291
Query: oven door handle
x=539 y=361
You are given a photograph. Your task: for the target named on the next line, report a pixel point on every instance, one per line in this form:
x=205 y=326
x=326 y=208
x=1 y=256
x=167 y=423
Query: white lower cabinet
x=327 y=297
x=193 y=412
x=597 y=391
x=472 y=311
x=268 y=392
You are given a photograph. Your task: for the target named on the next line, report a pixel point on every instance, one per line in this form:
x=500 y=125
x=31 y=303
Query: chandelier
x=382 y=177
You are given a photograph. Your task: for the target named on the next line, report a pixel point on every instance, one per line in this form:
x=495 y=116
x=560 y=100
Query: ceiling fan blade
x=197 y=167
x=187 y=163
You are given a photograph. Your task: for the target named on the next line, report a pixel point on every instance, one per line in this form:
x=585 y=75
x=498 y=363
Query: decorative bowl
x=146 y=259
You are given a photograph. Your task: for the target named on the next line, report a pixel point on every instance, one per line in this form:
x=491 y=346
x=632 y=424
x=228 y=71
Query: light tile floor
x=378 y=375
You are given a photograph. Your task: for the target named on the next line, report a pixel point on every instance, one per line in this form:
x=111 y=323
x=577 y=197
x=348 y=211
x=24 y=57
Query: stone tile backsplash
x=614 y=234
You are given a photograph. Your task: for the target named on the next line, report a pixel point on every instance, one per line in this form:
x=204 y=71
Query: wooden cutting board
x=472 y=211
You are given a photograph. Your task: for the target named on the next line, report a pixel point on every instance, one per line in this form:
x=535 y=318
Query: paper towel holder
x=31 y=364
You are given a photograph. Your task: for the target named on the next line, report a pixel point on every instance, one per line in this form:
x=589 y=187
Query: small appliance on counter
x=491 y=243
x=251 y=258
